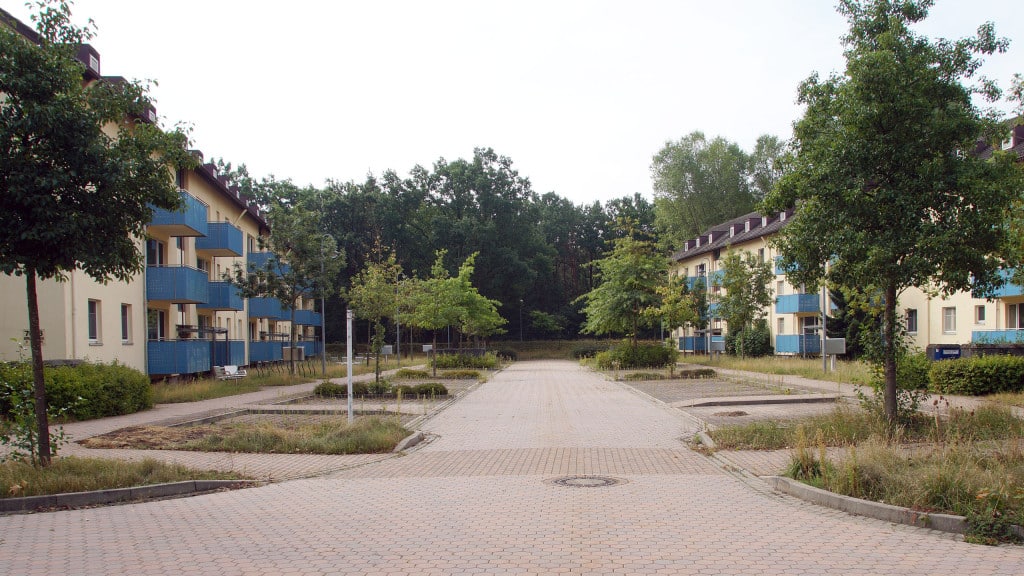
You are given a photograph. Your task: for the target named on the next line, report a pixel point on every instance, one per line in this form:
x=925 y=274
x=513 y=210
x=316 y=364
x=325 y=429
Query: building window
x=780 y=287
x=126 y=323
x=94 y=322
x=252 y=244
x=979 y=314
x=949 y=320
x=782 y=326
x=760 y=254
x=1015 y=316
x=912 y=320
x=203 y=264
x=155 y=253
x=157 y=323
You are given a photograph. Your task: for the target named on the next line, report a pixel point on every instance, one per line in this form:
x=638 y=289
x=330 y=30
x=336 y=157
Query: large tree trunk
x=39 y=385
x=889 y=352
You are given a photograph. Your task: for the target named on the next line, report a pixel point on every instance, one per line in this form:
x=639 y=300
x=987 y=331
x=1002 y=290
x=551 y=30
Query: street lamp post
x=520 y=319
x=349 y=316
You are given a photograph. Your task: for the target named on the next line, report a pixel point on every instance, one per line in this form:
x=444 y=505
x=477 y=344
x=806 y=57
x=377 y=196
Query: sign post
x=349 y=316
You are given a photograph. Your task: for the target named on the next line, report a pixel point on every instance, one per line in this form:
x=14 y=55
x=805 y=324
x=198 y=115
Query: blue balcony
x=997 y=337
x=1007 y=290
x=693 y=344
x=178 y=356
x=266 y=351
x=797 y=304
x=177 y=284
x=230 y=353
x=260 y=261
x=308 y=318
x=223 y=296
x=267 y=308
x=222 y=239
x=797 y=344
x=311 y=347
x=191 y=221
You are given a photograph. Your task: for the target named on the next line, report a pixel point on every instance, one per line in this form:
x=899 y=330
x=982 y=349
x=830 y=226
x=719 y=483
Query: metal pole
x=824 y=331
x=349 y=315
x=323 y=332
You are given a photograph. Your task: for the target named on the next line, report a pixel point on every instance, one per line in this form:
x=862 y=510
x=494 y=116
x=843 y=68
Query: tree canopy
x=887 y=187
x=76 y=163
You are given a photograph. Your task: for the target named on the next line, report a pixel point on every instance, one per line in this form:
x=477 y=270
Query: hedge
x=642 y=356
x=978 y=375
x=89 y=390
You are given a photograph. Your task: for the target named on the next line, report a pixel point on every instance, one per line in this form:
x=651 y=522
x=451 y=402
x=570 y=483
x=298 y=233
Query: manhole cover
x=586 y=481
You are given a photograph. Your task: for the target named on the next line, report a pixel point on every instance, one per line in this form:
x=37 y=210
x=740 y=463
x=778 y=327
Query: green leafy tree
x=434 y=302
x=75 y=164
x=887 y=189
x=305 y=262
x=630 y=276
x=680 y=304
x=374 y=297
x=747 y=283
x=478 y=315
x=697 y=184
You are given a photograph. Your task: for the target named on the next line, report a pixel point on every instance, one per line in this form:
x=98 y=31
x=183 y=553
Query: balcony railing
x=1008 y=289
x=797 y=304
x=230 y=353
x=311 y=347
x=191 y=221
x=178 y=356
x=223 y=296
x=307 y=318
x=177 y=284
x=267 y=308
x=797 y=344
x=266 y=351
x=259 y=260
x=997 y=337
x=222 y=239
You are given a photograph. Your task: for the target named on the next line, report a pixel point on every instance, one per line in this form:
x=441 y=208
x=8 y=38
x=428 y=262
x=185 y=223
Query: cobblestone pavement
x=480 y=499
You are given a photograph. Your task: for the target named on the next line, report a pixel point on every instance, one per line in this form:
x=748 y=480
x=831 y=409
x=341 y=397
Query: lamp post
x=520 y=319
x=398 y=327
x=323 y=305
x=349 y=316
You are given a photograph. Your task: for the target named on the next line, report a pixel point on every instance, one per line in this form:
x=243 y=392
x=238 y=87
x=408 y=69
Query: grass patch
x=294 y=435
x=643 y=376
x=846 y=426
x=72 y=474
x=1007 y=398
x=846 y=372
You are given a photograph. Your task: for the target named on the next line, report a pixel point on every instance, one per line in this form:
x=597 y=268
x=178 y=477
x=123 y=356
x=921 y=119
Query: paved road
x=479 y=499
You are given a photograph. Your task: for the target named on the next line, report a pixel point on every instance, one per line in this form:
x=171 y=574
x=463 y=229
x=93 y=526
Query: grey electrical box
x=387 y=350
x=428 y=347
x=835 y=346
x=718 y=346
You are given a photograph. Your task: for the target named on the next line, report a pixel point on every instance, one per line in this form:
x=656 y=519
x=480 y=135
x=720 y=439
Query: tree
x=305 y=262
x=478 y=315
x=434 y=301
x=747 y=282
x=698 y=183
x=374 y=296
x=887 y=188
x=681 y=304
x=75 y=163
x=630 y=276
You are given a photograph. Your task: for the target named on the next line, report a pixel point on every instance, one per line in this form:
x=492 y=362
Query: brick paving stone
x=478 y=499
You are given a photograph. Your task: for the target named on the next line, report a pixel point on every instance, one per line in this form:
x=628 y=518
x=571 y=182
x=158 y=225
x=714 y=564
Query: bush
x=641 y=356
x=508 y=355
x=90 y=390
x=488 y=361
x=754 y=342
x=431 y=389
x=330 y=389
x=979 y=375
x=405 y=389
x=696 y=373
x=411 y=374
x=642 y=376
x=587 y=351
x=461 y=374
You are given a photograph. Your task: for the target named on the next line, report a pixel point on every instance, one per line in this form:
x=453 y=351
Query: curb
x=83 y=499
x=876 y=510
x=761 y=400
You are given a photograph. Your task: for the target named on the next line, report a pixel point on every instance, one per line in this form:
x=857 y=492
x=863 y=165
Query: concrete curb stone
x=96 y=497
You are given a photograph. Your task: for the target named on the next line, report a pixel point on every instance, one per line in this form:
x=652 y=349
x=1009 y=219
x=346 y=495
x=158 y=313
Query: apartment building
x=795 y=317
x=179 y=316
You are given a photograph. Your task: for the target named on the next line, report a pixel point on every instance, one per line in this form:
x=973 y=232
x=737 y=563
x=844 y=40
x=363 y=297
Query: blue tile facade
x=308 y=318
x=267 y=308
x=223 y=296
x=178 y=284
x=797 y=344
x=230 y=353
x=997 y=337
x=222 y=239
x=178 y=356
x=797 y=304
x=190 y=222
x=265 y=351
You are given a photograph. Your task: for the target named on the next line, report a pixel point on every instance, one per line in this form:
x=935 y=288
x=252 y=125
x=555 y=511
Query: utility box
x=718 y=346
x=943 y=351
x=428 y=347
x=835 y=346
x=387 y=350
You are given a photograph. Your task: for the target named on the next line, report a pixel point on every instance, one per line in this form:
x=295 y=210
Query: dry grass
x=847 y=372
x=294 y=435
x=73 y=474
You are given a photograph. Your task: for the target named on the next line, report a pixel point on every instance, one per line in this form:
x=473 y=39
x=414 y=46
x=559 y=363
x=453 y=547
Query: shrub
x=696 y=373
x=488 y=361
x=641 y=376
x=461 y=374
x=405 y=389
x=754 y=342
x=641 y=356
x=411 y=374
x=587 y=351
x=979 y=375
x=431 y=389
x=508 y=355
x=91 y=391
x=331 y=389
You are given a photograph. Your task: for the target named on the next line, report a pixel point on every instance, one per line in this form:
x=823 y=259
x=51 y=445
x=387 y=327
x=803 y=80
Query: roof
x=730 y=232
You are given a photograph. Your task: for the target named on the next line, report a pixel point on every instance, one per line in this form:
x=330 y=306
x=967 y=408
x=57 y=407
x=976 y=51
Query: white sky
x=580 y=95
